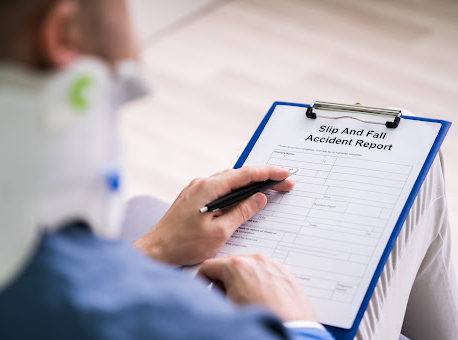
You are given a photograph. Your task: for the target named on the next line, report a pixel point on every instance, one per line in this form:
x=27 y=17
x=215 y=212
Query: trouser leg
x=420 y=262
x=141 y=214
x=432 y=309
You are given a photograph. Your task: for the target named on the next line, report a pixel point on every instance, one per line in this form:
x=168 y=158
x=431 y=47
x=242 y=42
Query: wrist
x=150 y=246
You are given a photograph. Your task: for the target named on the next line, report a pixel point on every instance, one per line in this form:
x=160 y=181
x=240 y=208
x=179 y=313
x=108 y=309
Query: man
x=62 y=275
x=60 y=187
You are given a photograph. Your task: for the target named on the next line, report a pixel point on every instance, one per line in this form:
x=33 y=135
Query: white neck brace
x=59 y=154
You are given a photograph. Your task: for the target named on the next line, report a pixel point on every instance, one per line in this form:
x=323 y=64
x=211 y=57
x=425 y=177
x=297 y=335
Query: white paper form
x=353 y=181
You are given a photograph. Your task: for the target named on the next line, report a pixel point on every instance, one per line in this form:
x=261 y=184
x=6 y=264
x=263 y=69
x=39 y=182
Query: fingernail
x=259 y=200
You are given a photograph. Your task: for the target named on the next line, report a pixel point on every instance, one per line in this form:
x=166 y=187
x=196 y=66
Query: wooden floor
x=217 y=71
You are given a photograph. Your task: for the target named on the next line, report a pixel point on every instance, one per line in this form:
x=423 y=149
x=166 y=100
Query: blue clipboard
x=349 y=334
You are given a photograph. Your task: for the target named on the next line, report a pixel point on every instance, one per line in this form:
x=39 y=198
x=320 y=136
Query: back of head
x=48 y=34
x=64 y=67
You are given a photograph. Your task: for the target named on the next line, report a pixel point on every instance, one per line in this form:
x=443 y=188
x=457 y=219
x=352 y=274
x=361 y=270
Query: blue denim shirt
x=78 y=286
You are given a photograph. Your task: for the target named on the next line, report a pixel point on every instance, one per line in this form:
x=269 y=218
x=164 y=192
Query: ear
x=58 y=34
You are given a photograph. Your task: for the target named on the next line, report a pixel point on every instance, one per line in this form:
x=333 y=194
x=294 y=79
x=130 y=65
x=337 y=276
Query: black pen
x=242 y=193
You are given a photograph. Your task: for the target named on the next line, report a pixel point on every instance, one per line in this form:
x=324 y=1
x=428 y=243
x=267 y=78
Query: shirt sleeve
x=310 y=330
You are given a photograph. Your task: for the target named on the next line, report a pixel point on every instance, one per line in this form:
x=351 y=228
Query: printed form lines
x=336 y=212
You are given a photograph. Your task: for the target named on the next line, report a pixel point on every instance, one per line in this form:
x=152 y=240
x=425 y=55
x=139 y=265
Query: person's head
x=51 y=34
x=65 y=68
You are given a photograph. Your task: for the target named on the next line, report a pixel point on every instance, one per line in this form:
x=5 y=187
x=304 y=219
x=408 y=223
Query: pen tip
x=293 y=171
x=203 y=210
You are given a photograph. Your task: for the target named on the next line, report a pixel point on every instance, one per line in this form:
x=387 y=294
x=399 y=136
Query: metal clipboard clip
x=393 y=115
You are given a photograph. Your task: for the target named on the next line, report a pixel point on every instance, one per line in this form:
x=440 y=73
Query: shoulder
x=79 y=286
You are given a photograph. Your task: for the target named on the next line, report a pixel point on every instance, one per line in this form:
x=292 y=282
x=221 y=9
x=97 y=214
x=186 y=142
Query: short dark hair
x=100 y=31
x=17 y=17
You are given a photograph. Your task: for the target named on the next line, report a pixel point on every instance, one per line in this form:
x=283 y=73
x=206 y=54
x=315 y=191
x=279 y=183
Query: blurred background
x=218 y=65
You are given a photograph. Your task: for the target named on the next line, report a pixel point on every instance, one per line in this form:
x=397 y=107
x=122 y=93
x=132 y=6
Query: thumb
x=243 y=211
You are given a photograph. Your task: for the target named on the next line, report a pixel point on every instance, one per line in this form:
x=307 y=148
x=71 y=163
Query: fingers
x=243 y=275
x=222 y=183
x=286 y=185
x=214 y=269
x=242 y=212
x=232 y=179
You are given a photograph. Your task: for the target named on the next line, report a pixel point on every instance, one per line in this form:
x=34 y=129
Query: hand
x=256 y=279
x=184 y=236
